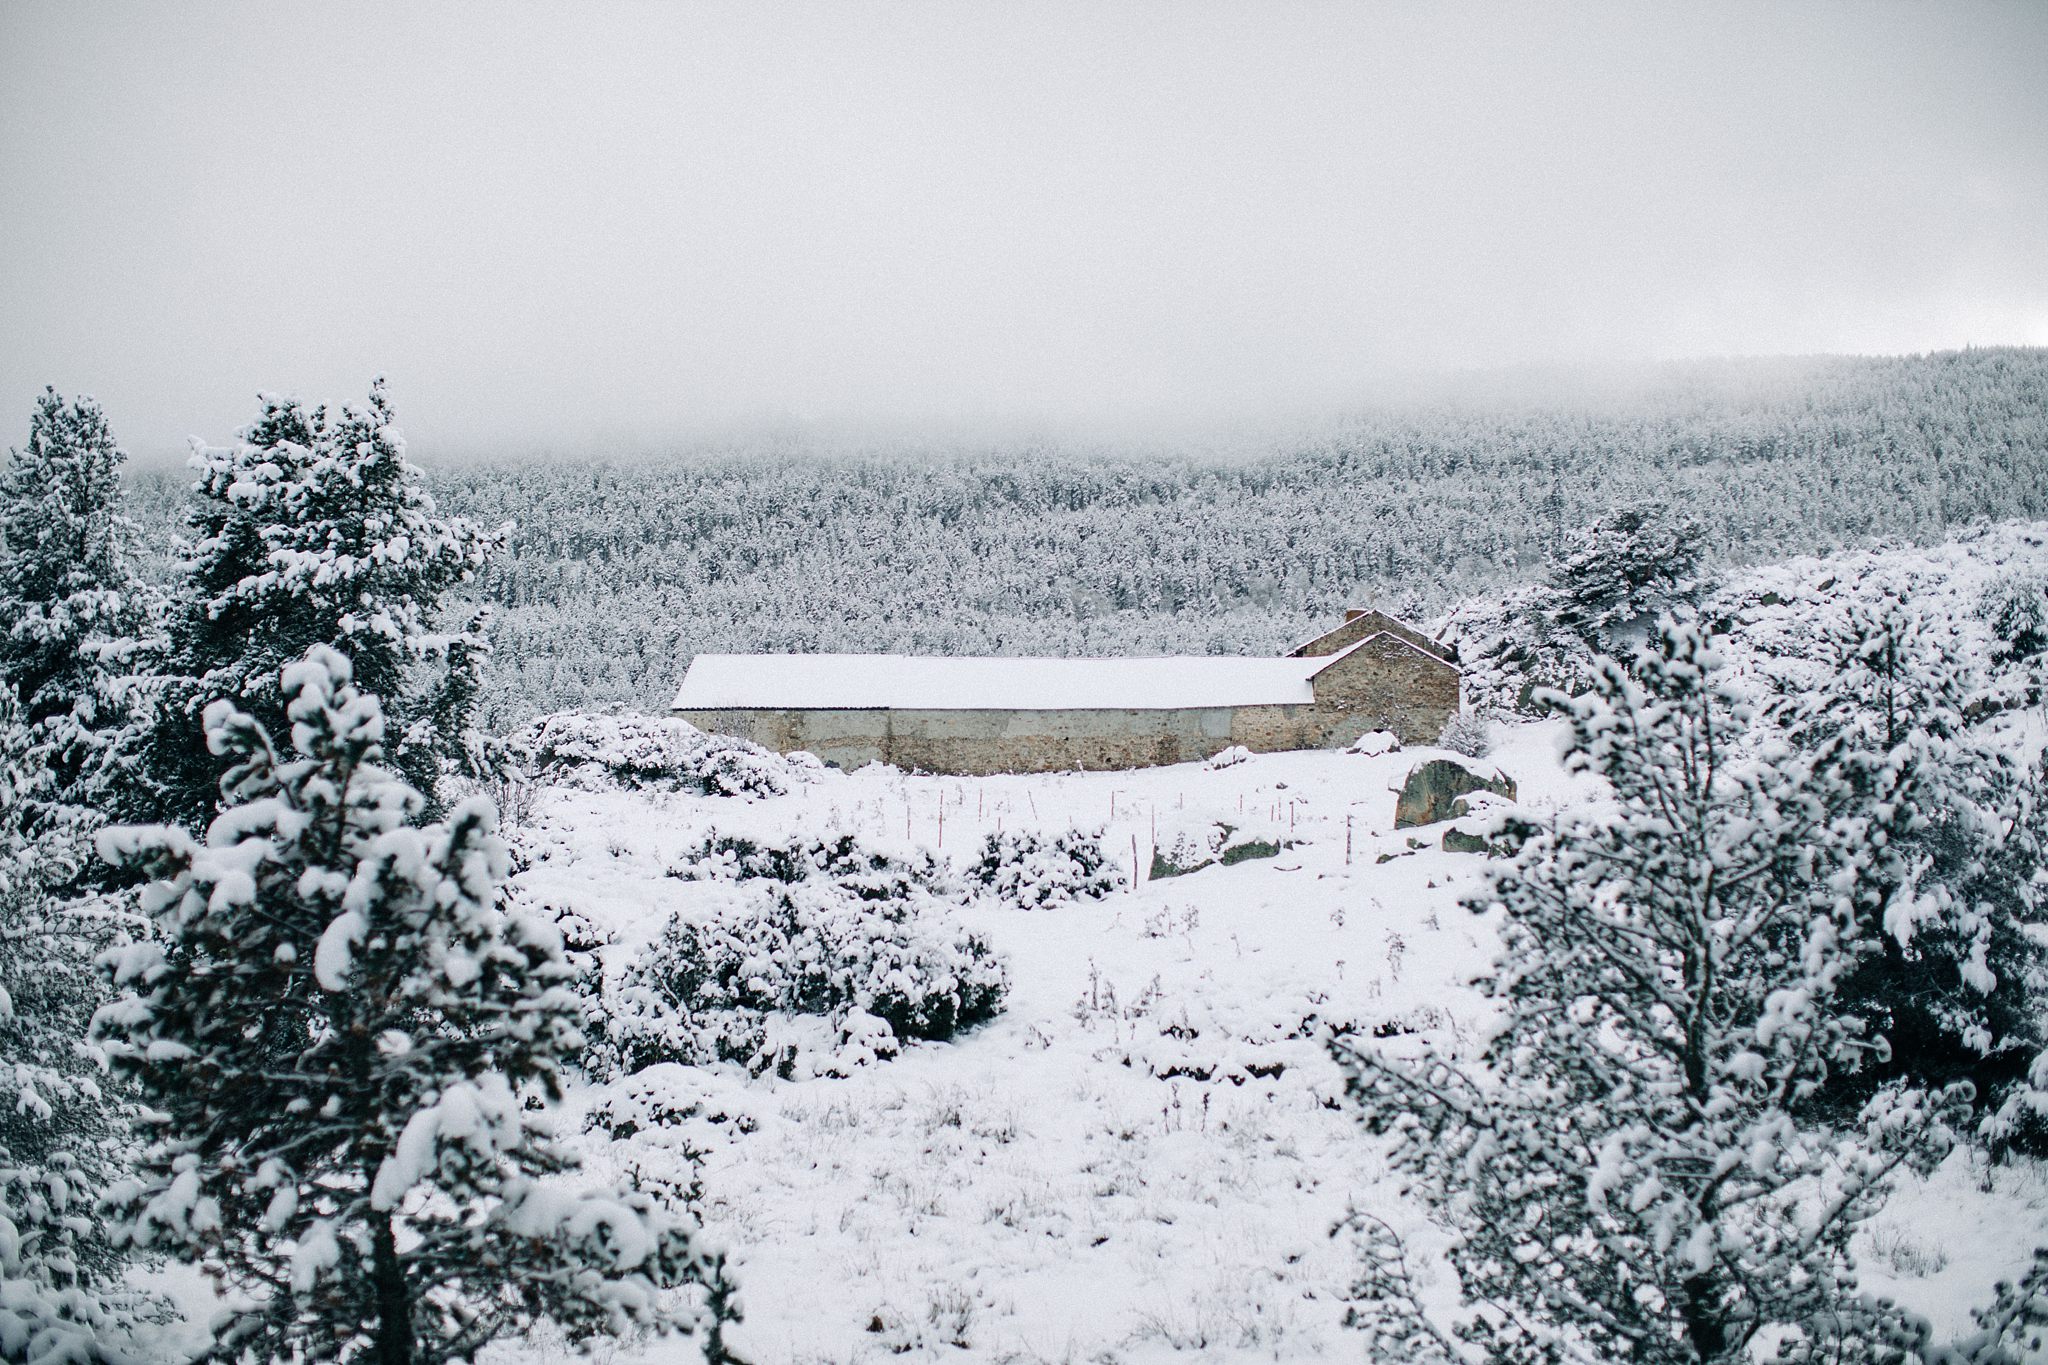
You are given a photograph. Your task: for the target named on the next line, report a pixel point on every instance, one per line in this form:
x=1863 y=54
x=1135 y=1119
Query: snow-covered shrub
x=1894 y=1245
x=871 y=973
x=2016 y=608
x=946 y=1323
x=1199 y=1039
x=685 y=1106
x=515 y=797
x=821 y=953
x=1384 y=1306
x=1229 y=758
x=866 y=873
x=1033 y=873
x=631 y=752
x=1467 y=733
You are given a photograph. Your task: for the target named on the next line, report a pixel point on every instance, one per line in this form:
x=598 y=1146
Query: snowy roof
x=830 y=682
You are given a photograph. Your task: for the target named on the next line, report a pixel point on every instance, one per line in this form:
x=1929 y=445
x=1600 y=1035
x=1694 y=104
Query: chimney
x=1353 y=613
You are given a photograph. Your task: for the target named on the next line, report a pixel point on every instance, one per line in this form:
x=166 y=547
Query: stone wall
x=1390 y=685
x=984 y=742
x=1385 y=684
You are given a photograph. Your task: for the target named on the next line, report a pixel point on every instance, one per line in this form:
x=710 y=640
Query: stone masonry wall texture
x=1385 y=684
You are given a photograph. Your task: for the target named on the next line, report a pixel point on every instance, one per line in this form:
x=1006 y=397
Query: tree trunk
x=394 y=1301
x=1704 y=1325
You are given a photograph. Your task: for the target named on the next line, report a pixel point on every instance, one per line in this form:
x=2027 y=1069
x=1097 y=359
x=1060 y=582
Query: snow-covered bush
x=1205 y=1039
x=1229 y=758
x=867 y=873
x=585 y=946
x=821 y=954
x=681 y=1107
x=1032 y=873
x=1467 y=733
x=593 y=751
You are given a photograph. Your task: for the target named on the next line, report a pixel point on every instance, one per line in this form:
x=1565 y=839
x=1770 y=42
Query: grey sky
x=552 y=225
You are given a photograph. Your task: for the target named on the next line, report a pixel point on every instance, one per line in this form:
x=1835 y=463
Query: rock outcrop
x=1432 y=788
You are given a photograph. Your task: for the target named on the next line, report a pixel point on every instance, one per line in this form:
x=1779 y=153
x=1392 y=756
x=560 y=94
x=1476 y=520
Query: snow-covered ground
x=1143 y=1157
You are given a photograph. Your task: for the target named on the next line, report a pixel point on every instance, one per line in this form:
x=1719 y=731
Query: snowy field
x=1144 y=1156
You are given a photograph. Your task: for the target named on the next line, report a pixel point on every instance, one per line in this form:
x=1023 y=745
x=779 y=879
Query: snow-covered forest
x=347 y=1015
x=618 y=570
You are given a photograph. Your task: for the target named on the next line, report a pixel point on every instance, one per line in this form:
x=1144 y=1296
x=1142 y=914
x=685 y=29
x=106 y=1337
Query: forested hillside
x=444 y=1041
x=623 y=567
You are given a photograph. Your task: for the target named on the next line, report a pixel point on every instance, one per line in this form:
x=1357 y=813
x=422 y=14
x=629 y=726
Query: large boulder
x=1432 y=789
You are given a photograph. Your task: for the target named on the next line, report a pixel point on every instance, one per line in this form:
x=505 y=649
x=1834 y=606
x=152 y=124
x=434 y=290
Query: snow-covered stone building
x=995 y=715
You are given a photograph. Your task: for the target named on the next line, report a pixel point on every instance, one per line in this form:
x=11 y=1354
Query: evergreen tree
x=70 y=603
x=346 y=1038
x=314 y=530
x=1619 y=574
x=1956 y=973
x=1641 y=1175
x=451 y=703
x=61 y=1140
x=2016 y=607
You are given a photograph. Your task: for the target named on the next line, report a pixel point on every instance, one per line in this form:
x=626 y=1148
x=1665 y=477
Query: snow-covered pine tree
x=1619 y=574
x=450 y=705
x=1956 y=975
x=60 y=1137
x=1635 y=1173
x=315 y=530
x=347 y=1039
x=2016 y=609
x=72 y=611
x=71 y=605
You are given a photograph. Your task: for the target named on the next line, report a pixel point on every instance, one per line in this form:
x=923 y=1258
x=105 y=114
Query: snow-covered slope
x=1147 y=1151
x=1143 y=1157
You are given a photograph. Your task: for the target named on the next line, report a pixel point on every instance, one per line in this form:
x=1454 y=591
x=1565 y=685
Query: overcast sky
x=553 y=225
